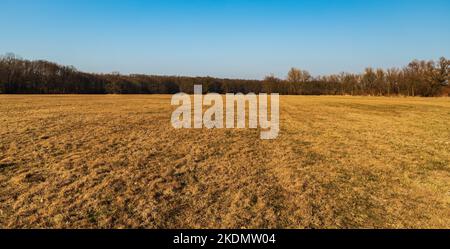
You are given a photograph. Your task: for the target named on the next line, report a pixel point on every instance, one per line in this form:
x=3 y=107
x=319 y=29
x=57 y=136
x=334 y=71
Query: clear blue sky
x=235 y=38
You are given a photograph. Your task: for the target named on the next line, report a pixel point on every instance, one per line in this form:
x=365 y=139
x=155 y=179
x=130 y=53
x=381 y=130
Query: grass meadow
x=110 y=161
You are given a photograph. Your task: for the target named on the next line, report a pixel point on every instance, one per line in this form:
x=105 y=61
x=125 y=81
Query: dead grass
x=115 y=161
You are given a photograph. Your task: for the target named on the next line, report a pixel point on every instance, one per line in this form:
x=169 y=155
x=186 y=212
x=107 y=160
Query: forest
x=418 y=78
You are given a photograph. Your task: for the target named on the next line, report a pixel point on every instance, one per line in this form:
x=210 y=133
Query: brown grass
x=115 y=161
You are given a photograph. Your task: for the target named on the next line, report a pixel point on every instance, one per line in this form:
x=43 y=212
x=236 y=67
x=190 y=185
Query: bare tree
x=424 y=78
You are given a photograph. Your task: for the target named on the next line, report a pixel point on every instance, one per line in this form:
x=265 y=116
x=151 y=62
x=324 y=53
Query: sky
x=226 y=38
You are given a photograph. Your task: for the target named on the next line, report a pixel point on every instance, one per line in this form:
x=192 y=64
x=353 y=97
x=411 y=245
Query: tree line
x=418 y=78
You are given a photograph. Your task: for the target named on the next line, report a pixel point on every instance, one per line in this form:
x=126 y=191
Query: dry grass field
x=116 y=162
